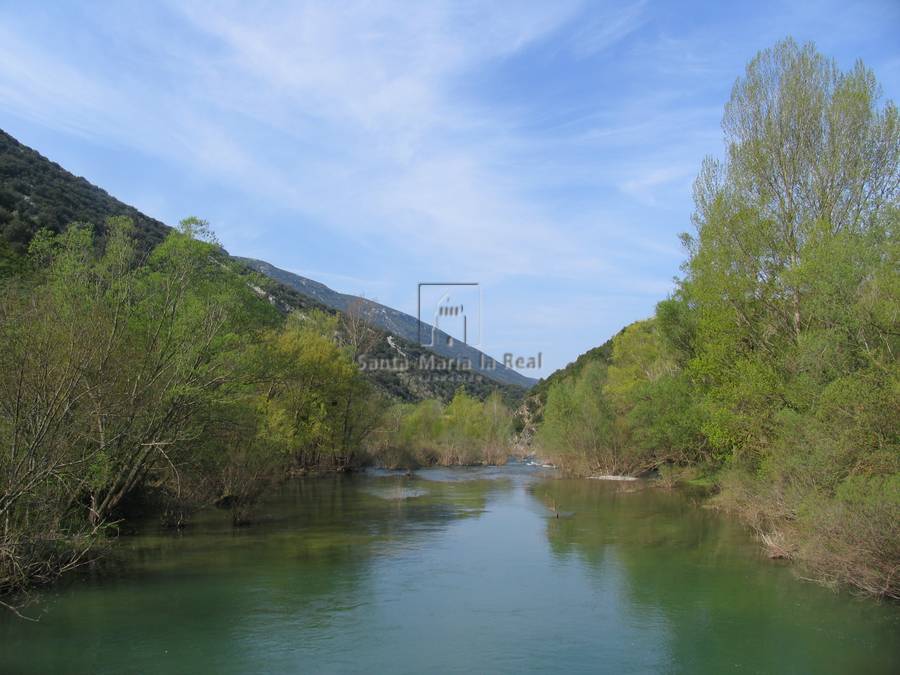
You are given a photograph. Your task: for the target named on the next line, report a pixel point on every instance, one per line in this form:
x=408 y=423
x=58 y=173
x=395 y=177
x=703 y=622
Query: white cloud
x=608 y=27
x=362 y=93
x=647 y=182
x=552 y=143
x=376 y=83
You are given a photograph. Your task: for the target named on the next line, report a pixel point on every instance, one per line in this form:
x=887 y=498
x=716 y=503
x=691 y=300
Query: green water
x=453 y=571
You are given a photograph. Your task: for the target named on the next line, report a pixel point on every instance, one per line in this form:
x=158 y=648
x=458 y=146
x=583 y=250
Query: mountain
x=530 y=411
x=37 y=193
x=394 y=322
x=603 y=354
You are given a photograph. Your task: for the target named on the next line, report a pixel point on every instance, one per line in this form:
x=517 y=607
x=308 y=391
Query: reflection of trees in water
x=308 y=561
x=332 y=529
x=333 y=523
x=723 y=603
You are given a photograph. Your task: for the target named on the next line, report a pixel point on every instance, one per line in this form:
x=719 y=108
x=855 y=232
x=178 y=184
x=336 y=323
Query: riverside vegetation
x=166 y=379
x=142 y=370
x=772 y=370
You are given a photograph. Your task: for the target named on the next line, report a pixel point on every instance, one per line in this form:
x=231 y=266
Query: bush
x=854 y=538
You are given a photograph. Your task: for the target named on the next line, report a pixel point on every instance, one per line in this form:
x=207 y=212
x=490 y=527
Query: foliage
x=627 y=417
x=776 y=359
x=36 y=194
x=466 y=431
x=601 y=354
x=173 y=375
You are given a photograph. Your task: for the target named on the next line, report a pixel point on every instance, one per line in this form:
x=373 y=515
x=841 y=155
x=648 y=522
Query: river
x=486 y=570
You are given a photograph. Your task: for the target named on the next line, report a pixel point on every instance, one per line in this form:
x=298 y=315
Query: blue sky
x=545 y=150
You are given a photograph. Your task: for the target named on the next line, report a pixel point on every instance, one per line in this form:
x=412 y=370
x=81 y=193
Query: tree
x=810 y=180
x=361 y=409
x=579 y=428
x=170 y=325
x=47 y=347
x=498 y=423
x=794 y=312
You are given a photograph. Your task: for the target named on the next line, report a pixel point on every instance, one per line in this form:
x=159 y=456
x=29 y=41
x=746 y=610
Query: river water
x=488 y=570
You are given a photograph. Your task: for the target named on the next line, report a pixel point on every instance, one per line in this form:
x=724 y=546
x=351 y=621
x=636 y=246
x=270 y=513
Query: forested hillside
x=394 y=322
x=166 y=378
x=141 y=364
x=36 y=193
x=773 y=368
x=599 y=354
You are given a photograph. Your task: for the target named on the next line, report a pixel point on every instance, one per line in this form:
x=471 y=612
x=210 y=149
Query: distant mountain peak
x=394 y=322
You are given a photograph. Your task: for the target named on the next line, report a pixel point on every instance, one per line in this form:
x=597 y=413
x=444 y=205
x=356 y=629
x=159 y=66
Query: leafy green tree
x=171 y=325
x=788 y=228
x=776 y=358
x=498 y=429
x=466 y=431
x=793 y=301
x=579 y=429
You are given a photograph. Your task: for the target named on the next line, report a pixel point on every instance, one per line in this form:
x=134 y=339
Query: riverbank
x=857 y=550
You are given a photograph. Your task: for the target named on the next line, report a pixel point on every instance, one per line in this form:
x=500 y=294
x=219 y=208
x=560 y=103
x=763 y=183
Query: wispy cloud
x=534 y=146
x=647 y=182
x=608 y=27
x=363 y=94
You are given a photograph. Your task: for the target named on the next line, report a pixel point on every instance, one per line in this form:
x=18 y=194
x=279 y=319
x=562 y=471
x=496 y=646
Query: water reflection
x=486 y=570
x=702 y=577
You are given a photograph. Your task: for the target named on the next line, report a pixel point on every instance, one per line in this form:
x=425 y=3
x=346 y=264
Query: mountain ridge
x=393 y=321
x=36 y=192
